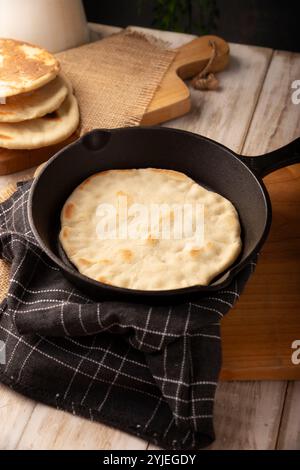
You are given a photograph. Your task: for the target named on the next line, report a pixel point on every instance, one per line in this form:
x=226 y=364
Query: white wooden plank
x=50 y=429
x=276 y=120
x=15 y=177
x=15 y=411
x=289 y=434
x=247 y=415
x=224 y=115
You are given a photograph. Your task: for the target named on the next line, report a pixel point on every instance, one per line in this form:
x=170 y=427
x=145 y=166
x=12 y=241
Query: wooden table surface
x=255 y=115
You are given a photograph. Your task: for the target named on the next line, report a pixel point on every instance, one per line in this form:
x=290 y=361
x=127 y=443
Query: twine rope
x=206 y=80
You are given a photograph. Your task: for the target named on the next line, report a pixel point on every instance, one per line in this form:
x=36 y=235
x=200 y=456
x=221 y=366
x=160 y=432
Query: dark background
x=270 y=23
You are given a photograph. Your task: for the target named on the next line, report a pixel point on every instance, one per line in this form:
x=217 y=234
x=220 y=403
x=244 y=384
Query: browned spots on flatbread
x=151 y=240
x=230 y=221
x=7 y=137
x=85 y=183
x=127 y=255
x=20 y=66
x=84 y=262
x=104 y=261
x=129 y=199
x=65 y=232
x=103 y=280
x=196 y=251
x=5 y=113
x=69 y=210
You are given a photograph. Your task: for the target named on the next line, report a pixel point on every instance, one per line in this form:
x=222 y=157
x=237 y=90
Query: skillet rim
x=110 y=289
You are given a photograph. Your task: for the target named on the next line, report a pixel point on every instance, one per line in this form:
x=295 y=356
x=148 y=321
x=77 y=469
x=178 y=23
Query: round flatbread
x=157 y=259
x=24 y=67
x=35 y=104
x=44 y=131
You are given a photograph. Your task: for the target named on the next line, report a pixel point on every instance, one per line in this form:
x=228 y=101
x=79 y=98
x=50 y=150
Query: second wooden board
x=173 y=98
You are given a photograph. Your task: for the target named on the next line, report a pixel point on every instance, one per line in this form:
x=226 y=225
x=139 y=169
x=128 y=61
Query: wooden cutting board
x=12 y=161
x=171 y=100
x=258 y=334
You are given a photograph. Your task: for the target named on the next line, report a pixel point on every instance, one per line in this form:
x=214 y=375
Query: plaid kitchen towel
x=149 y=370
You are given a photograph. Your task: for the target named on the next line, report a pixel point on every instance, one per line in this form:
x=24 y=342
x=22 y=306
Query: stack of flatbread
x=37 y=106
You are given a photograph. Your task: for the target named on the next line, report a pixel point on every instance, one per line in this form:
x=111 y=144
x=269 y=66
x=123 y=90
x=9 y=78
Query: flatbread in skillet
x=151 y=263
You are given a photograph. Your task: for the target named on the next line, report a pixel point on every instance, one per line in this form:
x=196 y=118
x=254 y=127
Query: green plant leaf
x=190 y=16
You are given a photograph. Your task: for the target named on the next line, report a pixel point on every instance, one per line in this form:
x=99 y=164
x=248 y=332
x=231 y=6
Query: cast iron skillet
x=207 y=162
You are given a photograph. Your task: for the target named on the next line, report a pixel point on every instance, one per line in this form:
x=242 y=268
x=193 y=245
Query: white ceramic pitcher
x=54 y=24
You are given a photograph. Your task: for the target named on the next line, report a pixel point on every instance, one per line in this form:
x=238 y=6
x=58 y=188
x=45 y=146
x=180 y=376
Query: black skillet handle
x=284 y=156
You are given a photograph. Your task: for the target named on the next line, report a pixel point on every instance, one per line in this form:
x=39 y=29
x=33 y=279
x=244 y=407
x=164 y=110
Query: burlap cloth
x=114 y=80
